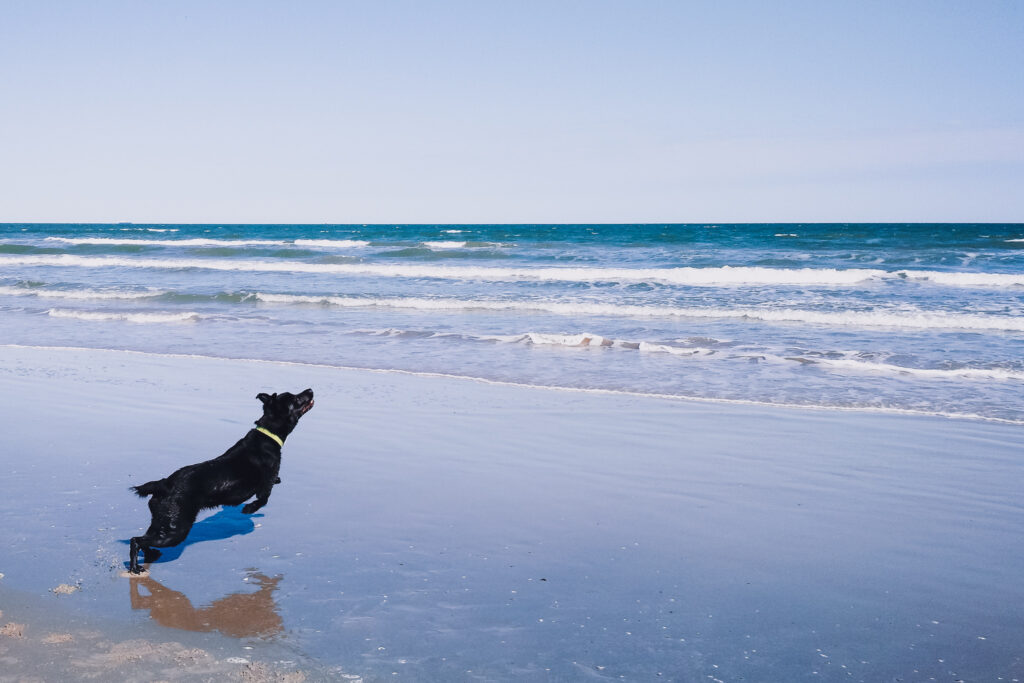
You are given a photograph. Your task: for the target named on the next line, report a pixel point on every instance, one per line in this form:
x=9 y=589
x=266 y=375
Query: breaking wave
x=83 y=294
x=108 y=316
x=922 y=373
x=697 y=277
x=902 y=318
x=911 y=318
x=714 y=350
x=331 y=244
x=208 y=242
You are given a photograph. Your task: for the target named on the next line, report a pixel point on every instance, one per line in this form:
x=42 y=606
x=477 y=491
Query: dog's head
x=281 y=412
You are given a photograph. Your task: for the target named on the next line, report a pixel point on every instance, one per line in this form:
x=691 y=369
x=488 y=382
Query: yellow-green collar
x=275 y=437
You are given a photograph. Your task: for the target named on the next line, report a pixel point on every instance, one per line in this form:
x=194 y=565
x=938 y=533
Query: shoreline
x=868 y=410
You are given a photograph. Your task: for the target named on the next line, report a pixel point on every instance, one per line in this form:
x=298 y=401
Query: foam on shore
x=582 y=390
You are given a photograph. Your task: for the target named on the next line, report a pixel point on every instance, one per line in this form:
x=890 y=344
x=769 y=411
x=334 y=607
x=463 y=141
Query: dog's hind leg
x=133 y=555
x=162 y=537
x=135 y=544
x=146 y=544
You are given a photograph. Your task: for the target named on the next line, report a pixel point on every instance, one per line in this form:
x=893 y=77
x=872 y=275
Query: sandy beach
x=432 y=528
x=650 y=341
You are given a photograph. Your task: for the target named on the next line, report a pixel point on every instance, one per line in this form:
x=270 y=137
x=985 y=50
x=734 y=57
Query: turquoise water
x=925 y=318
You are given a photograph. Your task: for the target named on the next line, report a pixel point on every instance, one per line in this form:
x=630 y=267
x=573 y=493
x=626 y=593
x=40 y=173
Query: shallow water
x=439 y=529
x=926 y=318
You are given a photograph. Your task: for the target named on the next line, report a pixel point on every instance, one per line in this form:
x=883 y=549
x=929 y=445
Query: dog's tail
x=149 y=488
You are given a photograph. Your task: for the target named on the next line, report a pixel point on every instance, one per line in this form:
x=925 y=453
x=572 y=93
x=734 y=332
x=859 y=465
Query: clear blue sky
x=516 y=111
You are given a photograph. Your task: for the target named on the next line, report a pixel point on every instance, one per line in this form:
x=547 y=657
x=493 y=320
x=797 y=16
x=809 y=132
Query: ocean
x=920 y=318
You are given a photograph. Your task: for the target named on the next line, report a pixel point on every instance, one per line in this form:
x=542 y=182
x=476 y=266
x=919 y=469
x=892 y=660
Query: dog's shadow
x=227 y=522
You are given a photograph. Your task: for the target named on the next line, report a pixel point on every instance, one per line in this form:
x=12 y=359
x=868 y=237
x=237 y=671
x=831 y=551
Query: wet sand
x=430 y=528
x=47 y=642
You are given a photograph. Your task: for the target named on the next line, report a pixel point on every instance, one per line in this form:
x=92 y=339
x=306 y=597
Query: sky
x=511 y=112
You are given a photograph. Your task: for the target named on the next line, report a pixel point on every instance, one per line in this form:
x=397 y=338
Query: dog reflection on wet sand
x=240 y=615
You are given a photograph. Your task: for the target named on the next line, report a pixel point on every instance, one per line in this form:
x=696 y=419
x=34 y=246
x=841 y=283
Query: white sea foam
x=586 y=340
x=590 y=340
x=582 y=339
x=649 y=347
x=724 y=275
x=445 y=245
x=904 y=318
x=142 y=242
x=331 y=244
x=108 y=316
x=909 y=318
x=965 y=279
x=83 y=294
x=208 y=242
x=922 y=373
x=696 y=277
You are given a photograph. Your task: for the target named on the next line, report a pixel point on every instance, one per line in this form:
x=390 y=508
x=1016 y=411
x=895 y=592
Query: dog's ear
x=266 y=398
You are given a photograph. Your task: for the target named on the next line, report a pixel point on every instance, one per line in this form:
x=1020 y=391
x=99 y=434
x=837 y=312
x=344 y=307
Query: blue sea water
x=920 y=317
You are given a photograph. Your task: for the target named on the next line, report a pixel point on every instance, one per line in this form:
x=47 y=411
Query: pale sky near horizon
x=521 y=111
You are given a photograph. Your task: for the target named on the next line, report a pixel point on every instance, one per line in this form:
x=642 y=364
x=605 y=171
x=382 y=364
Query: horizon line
x=513 y=223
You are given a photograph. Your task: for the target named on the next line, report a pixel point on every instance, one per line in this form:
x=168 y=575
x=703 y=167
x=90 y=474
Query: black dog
x=247 y=469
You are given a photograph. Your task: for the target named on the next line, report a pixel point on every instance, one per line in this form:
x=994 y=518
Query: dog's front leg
x=261 y=499
x=263 y=493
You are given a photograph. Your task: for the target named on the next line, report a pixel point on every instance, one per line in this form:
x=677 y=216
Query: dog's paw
x=278 y=480
x=250 y=508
